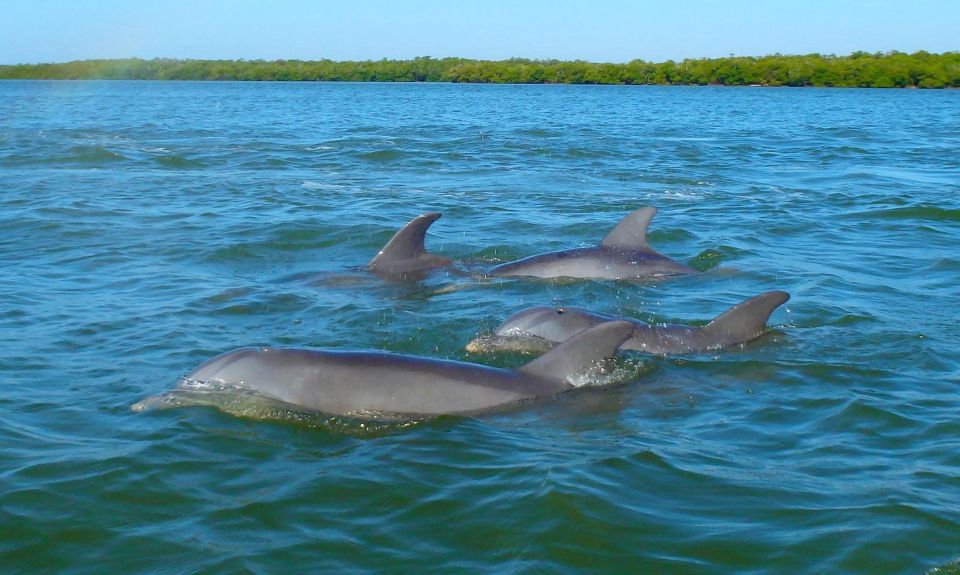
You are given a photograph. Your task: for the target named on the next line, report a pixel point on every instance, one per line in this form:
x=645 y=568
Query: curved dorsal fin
x=631 y=232
x=580 y=351
x=747 y=319
x=406 y=244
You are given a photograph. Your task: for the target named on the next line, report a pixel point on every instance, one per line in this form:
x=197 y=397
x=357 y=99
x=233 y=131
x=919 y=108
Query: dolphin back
x=405 y=252
x=535 y=329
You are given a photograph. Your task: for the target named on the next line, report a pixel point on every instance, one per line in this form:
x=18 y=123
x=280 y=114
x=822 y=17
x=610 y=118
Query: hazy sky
x=596 y=30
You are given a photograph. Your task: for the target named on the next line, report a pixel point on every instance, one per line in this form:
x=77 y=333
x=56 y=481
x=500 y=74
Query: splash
x=611 y=372
x=516 y=342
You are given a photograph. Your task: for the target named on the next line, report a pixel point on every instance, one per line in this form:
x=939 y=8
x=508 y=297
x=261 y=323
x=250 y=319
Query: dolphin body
x=623 y=254
x=405 y=256
x=539 y=328
x=364 y=383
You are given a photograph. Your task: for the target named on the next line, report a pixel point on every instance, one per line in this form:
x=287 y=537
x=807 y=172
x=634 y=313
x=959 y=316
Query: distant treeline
x=860 y=69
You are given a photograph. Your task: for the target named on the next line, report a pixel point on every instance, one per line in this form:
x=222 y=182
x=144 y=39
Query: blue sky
x=595 y=30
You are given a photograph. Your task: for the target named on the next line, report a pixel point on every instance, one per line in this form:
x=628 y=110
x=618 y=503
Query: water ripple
x=149 y=226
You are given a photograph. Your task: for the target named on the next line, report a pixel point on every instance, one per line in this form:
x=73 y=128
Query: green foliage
x=860 y=69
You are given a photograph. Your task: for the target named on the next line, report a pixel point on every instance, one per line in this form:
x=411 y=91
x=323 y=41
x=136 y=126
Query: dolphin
x=405 y=255
x=538 y=328
x=623 y=254
x=370 y=383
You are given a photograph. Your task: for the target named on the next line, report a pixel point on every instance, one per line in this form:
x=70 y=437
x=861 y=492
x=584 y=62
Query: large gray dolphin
x=364 y=383
x=623 y=254
x=405 y=255
x=538 y=328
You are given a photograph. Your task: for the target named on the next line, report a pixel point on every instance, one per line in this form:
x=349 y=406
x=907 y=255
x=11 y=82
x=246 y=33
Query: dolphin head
x=536 y=329
x=550 y=323
x=230 y=367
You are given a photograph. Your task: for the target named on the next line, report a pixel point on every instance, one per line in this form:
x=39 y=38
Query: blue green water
x=145 y=227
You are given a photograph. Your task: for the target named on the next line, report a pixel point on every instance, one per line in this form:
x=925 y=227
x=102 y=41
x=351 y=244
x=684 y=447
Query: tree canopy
x=860 y=69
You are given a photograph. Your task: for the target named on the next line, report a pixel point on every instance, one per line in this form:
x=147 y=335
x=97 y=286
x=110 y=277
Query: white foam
x=310 y=185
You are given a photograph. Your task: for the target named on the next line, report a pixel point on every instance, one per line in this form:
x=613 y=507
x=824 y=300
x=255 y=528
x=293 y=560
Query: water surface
x=145 y=227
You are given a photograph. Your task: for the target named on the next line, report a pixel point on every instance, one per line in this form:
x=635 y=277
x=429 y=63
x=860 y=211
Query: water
x=145 y=227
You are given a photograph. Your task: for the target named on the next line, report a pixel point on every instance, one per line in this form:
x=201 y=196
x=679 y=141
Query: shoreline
x=448 y=83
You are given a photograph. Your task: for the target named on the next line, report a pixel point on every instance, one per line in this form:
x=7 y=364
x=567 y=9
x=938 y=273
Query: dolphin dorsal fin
x=580 y=351
x=631 y=232
x=747 y=319
x=406 y=244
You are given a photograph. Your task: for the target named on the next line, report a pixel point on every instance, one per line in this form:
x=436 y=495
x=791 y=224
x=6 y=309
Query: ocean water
x=147 y=226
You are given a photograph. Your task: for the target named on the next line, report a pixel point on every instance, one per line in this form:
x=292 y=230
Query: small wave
x=683 y=194
x=381 y=156
x=310 y=185
x=586 y=153
x=851 y=150
x=267 y=304
x=853 y=319
x=231 y=254
x=87 y=155
x=930 y=213
x=711 y=258
x=945 y=265
x=670 y=235
x=843 y=132
x=863 y=415
x=686 y=138
x=266 y=162
x=226 y=296
x=178 y=162
x=539 y=133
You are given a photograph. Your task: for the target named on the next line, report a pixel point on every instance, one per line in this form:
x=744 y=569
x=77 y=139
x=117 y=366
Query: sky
x=33 y=31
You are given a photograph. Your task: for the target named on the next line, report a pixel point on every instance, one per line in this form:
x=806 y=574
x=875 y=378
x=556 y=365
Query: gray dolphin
x=538 y=328
x=623 y=254
x=365 y=383
x=405 y=254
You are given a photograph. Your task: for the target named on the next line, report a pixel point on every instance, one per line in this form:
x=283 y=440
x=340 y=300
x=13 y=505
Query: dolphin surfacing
x=539 y=328
x=624 y=254
x=405 y=254
x=366 y=383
